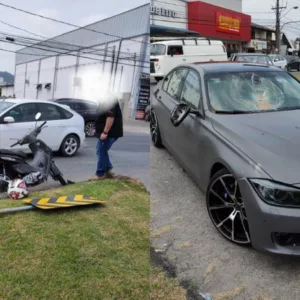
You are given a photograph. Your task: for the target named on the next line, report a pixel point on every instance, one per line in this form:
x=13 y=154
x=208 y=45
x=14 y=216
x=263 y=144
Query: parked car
x=166 y=55
x=253 y=58
x=64 y=131
x=87 y=109
x=293 y=63
x=234 y=128
x=279 y=61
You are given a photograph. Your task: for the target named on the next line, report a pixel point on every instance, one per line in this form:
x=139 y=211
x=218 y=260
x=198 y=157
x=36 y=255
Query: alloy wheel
x=70 y=146
x=227 y=211
x=89 y=128
x=153 y=127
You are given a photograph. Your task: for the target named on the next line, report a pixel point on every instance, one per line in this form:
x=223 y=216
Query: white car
x=64 y=130
x=278 y=61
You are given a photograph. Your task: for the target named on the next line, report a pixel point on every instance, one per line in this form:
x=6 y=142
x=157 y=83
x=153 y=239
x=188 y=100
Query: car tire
x=226 y=208
x=154 y=130
x=69 y=145
x=89 y=129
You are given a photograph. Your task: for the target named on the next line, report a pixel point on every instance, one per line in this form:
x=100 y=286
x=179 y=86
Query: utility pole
x=278 y=10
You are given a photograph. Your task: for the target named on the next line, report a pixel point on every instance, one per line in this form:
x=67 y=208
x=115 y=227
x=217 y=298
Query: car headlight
x=276 y=193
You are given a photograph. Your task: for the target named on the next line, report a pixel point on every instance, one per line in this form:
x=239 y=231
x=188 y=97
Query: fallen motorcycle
x=13 y=164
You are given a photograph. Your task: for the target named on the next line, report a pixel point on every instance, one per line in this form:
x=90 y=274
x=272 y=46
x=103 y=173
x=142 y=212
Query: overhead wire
x=94 y=59
x=63 y=22
x=53 y=40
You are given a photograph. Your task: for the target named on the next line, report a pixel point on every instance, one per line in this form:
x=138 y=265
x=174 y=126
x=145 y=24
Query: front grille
x=152 y=68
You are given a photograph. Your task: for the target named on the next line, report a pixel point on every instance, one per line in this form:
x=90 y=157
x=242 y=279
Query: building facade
x=7 y=90
x=216 y=22
x=109 y=54
x=214 y=19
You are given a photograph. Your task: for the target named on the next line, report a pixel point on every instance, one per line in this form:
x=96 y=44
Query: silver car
x=235 y=129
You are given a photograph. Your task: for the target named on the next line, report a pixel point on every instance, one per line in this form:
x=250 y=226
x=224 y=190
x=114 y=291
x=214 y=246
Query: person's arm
x=109 y=123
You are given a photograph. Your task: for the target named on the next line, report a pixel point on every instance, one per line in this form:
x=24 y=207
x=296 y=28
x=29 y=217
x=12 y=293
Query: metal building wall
x=126 y=25
x=80 y=74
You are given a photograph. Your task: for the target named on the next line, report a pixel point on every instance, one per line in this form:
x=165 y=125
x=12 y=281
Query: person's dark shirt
x=116 y=130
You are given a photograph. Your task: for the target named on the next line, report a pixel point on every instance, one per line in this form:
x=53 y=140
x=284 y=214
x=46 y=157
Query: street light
x=286 y=23
x=294 y=7
x=278 y=28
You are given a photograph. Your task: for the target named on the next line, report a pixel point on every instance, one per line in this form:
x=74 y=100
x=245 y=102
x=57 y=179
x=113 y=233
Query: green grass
x=86 y=253
x=100 y=252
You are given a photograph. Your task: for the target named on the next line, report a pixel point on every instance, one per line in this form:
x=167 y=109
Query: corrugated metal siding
x=126 y=25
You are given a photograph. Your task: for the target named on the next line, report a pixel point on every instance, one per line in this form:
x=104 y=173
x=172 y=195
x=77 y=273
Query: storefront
x=169 y=19
x=233 y=28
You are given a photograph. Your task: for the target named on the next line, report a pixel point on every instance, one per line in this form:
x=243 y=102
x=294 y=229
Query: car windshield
x=255 y=59
x=248 y=92
x=5 y=105
x=157 y=49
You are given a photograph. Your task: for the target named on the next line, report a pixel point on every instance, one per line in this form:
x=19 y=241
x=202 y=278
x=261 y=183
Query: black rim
x=227 y=210
x=153 y=127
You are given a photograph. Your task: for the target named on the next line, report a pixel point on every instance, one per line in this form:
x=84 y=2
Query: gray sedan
x=235 y=129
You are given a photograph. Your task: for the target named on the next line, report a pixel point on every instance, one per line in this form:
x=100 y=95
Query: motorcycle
x=13 y=163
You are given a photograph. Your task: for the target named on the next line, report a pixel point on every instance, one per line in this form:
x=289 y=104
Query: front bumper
x=266 y=222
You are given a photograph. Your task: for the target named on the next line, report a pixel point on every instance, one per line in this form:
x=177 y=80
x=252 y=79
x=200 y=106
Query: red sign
x=216 y=22
x=140 y=115
x=227 y=23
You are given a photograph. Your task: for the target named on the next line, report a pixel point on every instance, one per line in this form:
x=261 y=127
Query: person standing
x=108 y=129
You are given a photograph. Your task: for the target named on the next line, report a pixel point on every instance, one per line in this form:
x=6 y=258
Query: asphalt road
x=181 y=228
x=129 y=156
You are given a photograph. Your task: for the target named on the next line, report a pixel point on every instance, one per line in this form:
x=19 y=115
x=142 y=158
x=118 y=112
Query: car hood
x=271 y=140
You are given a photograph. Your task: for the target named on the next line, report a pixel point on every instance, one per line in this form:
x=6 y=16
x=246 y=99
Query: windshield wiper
x=234 y=112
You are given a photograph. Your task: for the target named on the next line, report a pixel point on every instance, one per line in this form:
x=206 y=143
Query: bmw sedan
x=235 y=129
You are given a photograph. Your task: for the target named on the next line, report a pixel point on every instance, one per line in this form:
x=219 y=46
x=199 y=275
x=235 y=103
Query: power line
x=69 y=54
x=49 y=40
x=45 y=44
x=21 y=29
x=63 y=22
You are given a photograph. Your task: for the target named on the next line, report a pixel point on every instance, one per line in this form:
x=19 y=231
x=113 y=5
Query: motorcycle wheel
x=61 y=179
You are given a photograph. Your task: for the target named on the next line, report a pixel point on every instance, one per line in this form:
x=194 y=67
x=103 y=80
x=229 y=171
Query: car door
x=24 y=116
x=53 y=134
x=168 y=98
x=192 y=130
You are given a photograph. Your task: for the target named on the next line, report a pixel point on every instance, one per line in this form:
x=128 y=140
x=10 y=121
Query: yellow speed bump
x=62 y=202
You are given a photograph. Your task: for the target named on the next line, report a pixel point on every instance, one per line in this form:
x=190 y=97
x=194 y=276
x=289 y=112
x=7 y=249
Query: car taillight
x=156 y=59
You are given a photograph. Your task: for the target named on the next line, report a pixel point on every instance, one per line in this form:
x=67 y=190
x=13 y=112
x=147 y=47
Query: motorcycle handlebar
x=15 y=144
x=43 y=124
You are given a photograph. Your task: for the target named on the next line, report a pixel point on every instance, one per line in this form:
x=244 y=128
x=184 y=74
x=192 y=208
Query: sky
x=263 y=14
x=78 y=12
x=84 y=12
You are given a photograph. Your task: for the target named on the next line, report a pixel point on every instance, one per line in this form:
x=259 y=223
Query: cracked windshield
x=253 y=92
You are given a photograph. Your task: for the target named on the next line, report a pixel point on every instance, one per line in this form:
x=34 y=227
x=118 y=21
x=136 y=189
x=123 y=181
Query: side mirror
x=8 y=120
x=38 y=116
x=179 y=113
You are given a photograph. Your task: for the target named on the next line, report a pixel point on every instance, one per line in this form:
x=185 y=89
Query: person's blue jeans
x=104 y=163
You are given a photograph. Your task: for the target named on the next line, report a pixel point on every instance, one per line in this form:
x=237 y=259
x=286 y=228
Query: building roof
x=254 y=25
x=127 y=25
